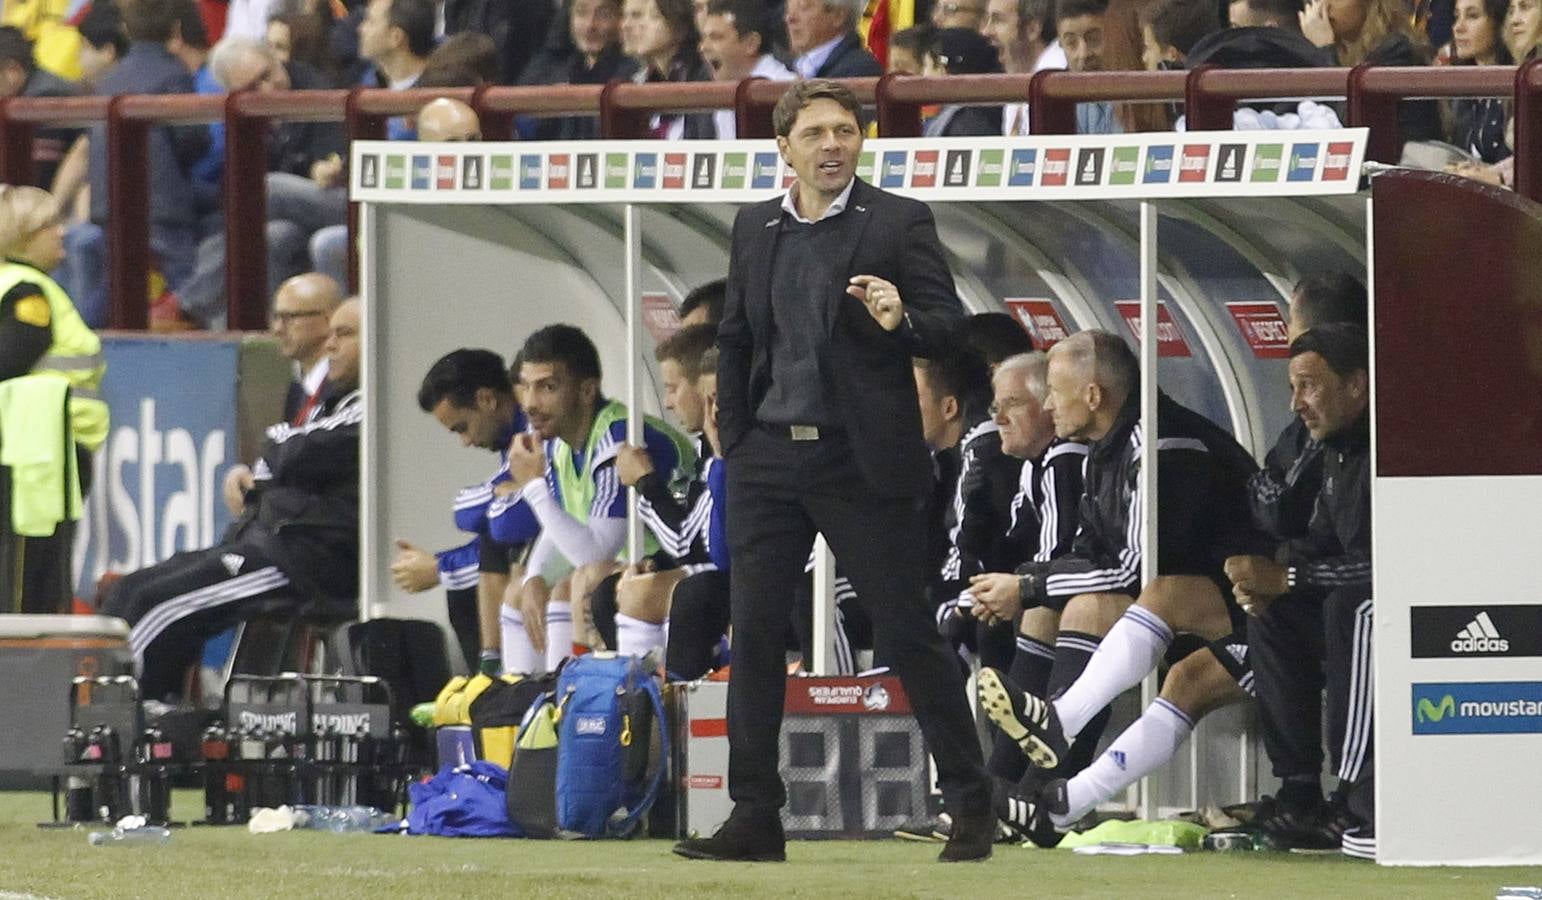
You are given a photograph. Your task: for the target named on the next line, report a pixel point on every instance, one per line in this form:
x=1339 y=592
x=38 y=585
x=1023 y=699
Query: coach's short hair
x=996 y=336
x=566 y=344
x=1329 y=297
x=960 y=373
x=459 y=374
x=1033 y=368
x=712 y=295
x=1109 y=360
x=1345 y=346
x=686 y=347
x=802 y=93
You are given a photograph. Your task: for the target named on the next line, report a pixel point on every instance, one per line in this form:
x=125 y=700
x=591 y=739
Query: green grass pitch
x=229 y=862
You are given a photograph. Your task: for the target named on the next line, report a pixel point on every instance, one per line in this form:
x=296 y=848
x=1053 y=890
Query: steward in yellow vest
x=42 y=334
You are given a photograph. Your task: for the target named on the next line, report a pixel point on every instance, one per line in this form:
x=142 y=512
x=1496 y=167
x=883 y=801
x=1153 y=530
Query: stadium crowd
x=214 y=46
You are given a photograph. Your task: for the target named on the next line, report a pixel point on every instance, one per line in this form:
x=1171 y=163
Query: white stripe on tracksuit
x=166 y=614
x=1357 y=733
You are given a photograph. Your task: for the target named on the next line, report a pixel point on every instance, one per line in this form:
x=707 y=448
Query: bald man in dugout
x=448 y=120
x=302 y=309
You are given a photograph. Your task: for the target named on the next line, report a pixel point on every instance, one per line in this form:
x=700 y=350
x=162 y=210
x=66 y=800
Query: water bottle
x=340 y=819
x=123 y=837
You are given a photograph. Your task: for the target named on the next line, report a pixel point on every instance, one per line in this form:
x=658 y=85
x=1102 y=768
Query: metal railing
x=624 y=110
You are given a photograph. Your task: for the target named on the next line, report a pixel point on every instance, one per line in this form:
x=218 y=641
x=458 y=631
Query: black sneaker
x=1300 y=824
x=740 y=839
x=1024 y=718
x=927 y=831
x=1029 y=813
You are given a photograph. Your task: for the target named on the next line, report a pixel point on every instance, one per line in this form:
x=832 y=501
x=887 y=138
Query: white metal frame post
x=1148 y=447
x=370 y=577
x=823 y=662
x=634 y=345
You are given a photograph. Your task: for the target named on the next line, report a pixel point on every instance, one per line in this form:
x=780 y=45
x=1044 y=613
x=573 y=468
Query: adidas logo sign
x=233 y=563
x=1118 y=757
x=1480 y=636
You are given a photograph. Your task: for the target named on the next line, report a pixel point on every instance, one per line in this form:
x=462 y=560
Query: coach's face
x=1326 y=401
x=1023 y=423
x=823 y=146
x=1069 y=400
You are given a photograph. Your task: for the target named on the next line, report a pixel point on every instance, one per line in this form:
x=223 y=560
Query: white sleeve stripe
x=348 y=412
x=1064 y=448
x=1049 y=517
x=1127 y=572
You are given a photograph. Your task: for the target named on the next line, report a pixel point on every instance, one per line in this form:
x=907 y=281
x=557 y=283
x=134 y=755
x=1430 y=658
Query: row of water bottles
x=132 y=830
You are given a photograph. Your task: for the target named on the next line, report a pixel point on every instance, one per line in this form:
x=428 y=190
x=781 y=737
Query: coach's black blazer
x=878 y=234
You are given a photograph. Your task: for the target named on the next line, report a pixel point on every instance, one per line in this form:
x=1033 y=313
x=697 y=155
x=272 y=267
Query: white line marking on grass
x=12 y=895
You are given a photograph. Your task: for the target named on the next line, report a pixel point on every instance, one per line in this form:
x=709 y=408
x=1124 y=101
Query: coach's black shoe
x=971 y=838
x=1296 y=820
x=740 y=839
x=1029 y=812
x=1024 y=718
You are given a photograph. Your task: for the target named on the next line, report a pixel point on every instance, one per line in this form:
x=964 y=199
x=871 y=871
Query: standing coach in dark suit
x=832 y=289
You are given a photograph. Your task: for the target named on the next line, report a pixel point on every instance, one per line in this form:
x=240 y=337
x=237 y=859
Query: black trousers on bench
x=173 y=606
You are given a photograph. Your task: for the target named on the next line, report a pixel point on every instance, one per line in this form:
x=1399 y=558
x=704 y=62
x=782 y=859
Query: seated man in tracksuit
x=1094 y=396
x=296 y=541
x=1284 y=494
x=1330 y=391
x=564 y=468
x=980 y=523
x=633 y=607
x=1044 y=518
x=468 y=391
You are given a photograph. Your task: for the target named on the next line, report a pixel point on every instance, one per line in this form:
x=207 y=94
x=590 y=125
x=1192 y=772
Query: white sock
x=634 y=637
x=1127 y=654
x=519 y=655
x=1147 y=744
x=559 y=633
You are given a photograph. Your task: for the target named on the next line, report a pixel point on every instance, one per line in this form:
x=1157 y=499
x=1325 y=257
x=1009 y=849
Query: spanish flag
x=882 y=18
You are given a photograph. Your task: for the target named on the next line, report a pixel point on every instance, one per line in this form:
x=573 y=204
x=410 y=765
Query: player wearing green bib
x=565 y=468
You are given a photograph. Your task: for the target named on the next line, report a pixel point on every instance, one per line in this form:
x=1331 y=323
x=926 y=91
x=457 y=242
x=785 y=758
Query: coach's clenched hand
x=881 y=298
x=997 y=596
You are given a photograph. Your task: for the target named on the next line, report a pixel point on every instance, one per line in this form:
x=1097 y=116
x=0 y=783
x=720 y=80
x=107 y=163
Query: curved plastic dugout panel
x=476 y=272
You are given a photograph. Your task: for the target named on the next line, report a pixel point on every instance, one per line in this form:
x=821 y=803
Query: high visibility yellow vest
x=75 y=354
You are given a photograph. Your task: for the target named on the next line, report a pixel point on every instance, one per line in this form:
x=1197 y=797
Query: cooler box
x=851 y=755
x=39 y=656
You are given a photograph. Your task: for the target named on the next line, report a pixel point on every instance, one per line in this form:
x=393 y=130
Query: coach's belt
x=798 y=432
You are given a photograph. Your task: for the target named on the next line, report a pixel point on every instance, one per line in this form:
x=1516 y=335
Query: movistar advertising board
x=156 y=488
x=1485 y=707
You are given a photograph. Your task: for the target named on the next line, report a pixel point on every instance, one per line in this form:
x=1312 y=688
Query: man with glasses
x=301 y=308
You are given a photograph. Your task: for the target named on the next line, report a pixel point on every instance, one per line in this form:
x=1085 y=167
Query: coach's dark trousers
x=780 y=493
x=1301 y=646
x=173 y=606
